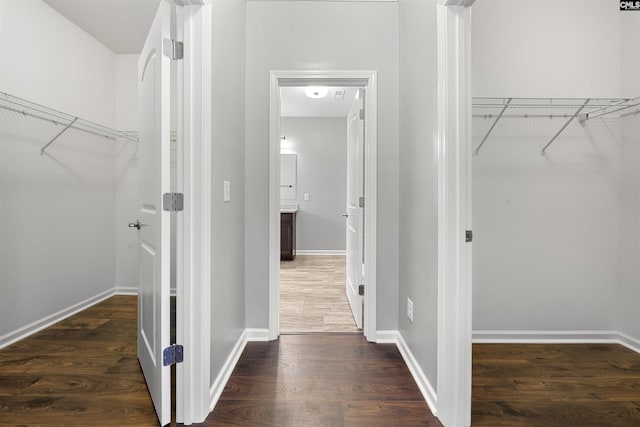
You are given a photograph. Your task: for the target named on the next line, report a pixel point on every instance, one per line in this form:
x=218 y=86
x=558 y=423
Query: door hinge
x=172 y=355
x=173 y=49
x=362 y=114
x=361 y=290
x=173 y=202
x=361 y=202
x=468 y=236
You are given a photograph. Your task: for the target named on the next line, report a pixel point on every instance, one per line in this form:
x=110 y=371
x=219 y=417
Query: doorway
x=321 y=180
x=366 y=81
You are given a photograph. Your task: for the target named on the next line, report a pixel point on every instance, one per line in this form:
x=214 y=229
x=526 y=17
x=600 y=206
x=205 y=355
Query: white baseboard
x=629 y=342
x=257 y=334
x=545 y=337
x=126 y=290
x=133 y=290
x=221 y=380
x=387 y=337
x=225 y=373
x=427 y=390
x=556 y=337
x=321 y=252
x=45 y=322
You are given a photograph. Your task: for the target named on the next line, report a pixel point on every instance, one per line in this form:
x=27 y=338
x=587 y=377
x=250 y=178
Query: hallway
x=84 y=371
x=313 y=296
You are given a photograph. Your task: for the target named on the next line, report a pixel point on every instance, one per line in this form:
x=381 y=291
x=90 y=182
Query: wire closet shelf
x=64 y=120
x=583 y=109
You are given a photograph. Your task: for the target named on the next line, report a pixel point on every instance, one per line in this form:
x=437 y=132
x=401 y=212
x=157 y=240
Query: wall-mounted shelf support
x=506 y=105
x=58 y=135
x=27 y=108
x=565 y=125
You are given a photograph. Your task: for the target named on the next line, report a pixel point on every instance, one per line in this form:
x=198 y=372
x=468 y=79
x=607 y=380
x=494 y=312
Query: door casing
x=193 y=321
x=345 y=78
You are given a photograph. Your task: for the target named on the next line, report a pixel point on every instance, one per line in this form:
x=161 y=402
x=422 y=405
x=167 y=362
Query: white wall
x=418 y=182
x=126 y=173
x=321 y=147
x=627 y=314
x=332 y=36
x=228 y=128
x=546 y=48
x=56 y=211
x=49 y=60
x=545 y=231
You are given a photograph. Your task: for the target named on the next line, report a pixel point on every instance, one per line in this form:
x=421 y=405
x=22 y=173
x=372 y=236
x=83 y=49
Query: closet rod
x=600 y=103
x=51 y=115
x=578 y=111
x=523 y=116
x=506 y=105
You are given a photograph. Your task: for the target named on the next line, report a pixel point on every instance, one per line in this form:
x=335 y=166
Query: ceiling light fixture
x=316 y=91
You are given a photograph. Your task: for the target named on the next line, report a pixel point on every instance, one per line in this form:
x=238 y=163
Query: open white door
x=354 y=214
x=153 y=222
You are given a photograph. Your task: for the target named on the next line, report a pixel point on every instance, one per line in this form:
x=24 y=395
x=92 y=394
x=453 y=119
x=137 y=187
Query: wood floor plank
x=282 y=413
x=313 y=296
x=386 y=413
x=83 y=371
x=369 y=383
x=555 y=385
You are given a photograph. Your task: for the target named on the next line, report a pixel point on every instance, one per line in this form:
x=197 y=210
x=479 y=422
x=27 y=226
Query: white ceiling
x=295 y=103
x=120 y=25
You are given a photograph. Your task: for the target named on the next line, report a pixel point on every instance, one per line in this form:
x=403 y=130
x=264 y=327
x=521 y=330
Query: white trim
x=258 y=335
x=368 y=80
x=194 y=223
x=387 y=337
x=556 y=337
x=629 y=342
x=30 y=329
x=321 y=252
x=427 y=390
x=125 y=290
x=423 y=383
x=225 y=372
x=132 y=290
x=454 y=212
x=544 y=337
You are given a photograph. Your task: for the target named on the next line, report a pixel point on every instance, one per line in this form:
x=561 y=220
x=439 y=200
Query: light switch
x=306 y=196
x=227 y=191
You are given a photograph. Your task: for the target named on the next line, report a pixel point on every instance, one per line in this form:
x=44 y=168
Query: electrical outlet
x=410 y=309
x=306 y=196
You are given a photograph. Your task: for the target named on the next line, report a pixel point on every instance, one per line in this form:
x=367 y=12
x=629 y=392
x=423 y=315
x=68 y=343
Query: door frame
x=348 y=78
x=193 y=254
x=454 y=212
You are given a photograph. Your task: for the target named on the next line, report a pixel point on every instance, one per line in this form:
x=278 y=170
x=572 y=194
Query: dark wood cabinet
x=287 y=236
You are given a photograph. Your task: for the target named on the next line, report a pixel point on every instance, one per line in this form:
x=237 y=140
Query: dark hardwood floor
x=321 y=380
x=555 y=385
x=83 y=371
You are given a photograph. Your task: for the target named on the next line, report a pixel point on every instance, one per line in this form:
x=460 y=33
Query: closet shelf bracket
x=506 y=105
x=572 y=118
x=58 y=135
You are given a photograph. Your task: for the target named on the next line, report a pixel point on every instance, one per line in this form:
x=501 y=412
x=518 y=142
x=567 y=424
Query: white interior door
x=354 y=214
x=154 y=223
